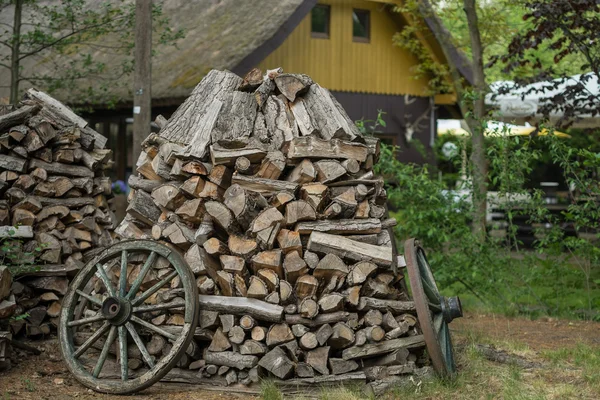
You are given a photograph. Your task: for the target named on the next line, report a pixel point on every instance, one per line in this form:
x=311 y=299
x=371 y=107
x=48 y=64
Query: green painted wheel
x=113 y=307
x=434 y=311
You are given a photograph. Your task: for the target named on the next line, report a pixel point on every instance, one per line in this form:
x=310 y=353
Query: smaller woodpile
x=268 y=187
x=53 y=207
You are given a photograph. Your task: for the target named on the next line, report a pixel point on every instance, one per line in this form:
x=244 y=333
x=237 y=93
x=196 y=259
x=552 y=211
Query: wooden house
x=344 y=45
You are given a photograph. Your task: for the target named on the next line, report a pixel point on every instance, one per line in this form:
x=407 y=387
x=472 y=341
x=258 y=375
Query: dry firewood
x=277 y=363
x=252 y=80
x=279 y=334
x=401 y=330
x=303 y=370
x=292 y=85
x=376 y=289
x=223 y=156
x=242 y=247
x=286 y=292
x=351 y=165
x=313 y=147
x=25 y=183
x=39 y=174
x=215 y=247
x=373 y=318
x=179 y=235
x=168 y=196
x=272 y=298
x=299 y=210
x=374 y=333
x=331 y=302
x=220 y=175
x=360 y=272
x=264 y=186
x=376 y=211
x=146 y=185
x=30 y=204
x=177 y=172
x=236 y=335
x=269 y=277
x=281 y=199
x=241 y=289
x=306 y=286
x=233 y=264
x=161 y=168
x=360 y=338
x=253 y=347
x=332 y=211
x=266 y=237
x=267 y=218
x=205 y=285
x=260 y=310
x=329 y=266
x=193 y=186
x=303 y=173
x=222 y=216
x=342 y=336
x=225 y=282
x=247 y=322
x=258 y=333
x=349 y=249
x=389 y=322
x=272 y=165
x=230 y=359
x=290 y=309
x=279 y=121
x=299 y=330
x=270 y=259
x=289 y=241
x=211 y=191
x=329 y=318
x=387 y=346
x=329 y=170
x=339 y=366
x=200 y=262
x=244 y=166
x=352 y=295
x=294 y=267
x=263 y=91
x=22 y=217
x=347 y=200
x=308 y=341
x=308 y=308
x=311 y=259
x=257 y=288
x=341 y=226
x=191 y=211
x=8 y=176
x=318 y=359
x=196 y=168
x=410 y=319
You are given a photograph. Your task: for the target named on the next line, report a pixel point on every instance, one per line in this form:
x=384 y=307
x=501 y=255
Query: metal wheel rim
x=179 y=344
x=427 y=303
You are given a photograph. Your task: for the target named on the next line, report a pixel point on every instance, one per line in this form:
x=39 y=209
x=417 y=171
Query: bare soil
x=46 y=377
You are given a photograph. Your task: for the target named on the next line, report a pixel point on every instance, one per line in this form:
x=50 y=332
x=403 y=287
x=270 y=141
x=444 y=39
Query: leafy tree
x=567 y=31
x=471 y=98
x=64 y=38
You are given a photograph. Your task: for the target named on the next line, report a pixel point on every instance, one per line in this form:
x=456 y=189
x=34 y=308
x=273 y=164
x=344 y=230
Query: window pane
x=360 y=24
x=320 y=19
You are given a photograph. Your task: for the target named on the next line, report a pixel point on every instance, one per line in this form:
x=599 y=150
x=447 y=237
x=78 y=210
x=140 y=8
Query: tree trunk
x=477 y=125
x=15 y=54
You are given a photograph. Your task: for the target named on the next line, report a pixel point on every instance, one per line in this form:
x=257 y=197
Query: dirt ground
x=46 y=377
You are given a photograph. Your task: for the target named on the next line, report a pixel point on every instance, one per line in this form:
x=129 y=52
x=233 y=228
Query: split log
x=277 y=363
x=236 y=335
x=222 y=216
x=242 y=247
x=342 y=336
x=340 y=366
x=303 y=173
x=264 y=186
x=349 y=249
x=253 y=347
x=308 y=308
x=370 y=350
x=340 y=226
x=239 y=306
x=279 y=334
x=313 y=147
x=272 y=165
x=294 y=267
x=306 y=286
x=257 y=288
x=331 y=302
x=308 y=341
x=329 y=318
x=299 y=210
x=329 y=170
x=394 y=306
x=230 y=359
x=270 y=259
x=289 y=242
x=328 y=116
x=317 y=359
x=292 y=85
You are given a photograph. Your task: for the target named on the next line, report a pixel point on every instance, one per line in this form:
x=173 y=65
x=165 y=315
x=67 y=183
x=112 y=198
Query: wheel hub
x=451 y=308
x=117 y=311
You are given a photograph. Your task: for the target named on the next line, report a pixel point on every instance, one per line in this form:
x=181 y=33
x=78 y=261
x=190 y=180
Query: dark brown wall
x=402 y=113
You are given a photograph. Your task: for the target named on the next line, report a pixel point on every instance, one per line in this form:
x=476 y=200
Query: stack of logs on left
x=53 y=208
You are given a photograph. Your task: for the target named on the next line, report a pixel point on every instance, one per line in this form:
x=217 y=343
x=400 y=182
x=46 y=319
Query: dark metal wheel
x=112 y=306
x=434 y=311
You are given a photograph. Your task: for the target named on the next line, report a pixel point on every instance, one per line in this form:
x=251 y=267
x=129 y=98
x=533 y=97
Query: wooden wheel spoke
x=109 y=341
x=123 y=276
x=89 y=297
x=159 y=307
x=140 y=344
x=123 y=353
x=91 y=340
x=85 y=321
x=154 y=328
x=140 y=299
x=135 y=286
x=105 y=280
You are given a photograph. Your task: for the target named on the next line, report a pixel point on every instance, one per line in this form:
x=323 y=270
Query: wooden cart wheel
x=434 y=311
x=108 y=311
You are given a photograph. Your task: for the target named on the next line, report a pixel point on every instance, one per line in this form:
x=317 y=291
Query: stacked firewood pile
x=53 y=207
x=267 y=186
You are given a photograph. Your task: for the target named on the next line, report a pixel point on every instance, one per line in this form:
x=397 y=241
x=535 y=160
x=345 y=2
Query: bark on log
x=349 y=249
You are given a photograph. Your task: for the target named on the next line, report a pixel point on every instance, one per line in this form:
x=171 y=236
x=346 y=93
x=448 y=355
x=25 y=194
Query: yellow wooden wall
x=338 y=63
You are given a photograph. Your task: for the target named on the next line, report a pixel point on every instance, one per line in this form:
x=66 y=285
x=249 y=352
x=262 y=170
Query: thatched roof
x=219 y=34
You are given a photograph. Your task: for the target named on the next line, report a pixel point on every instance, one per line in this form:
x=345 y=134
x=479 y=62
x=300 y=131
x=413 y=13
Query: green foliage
x=67 y=37
x=16 y=258
x=369 y=126
x=270 y=391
